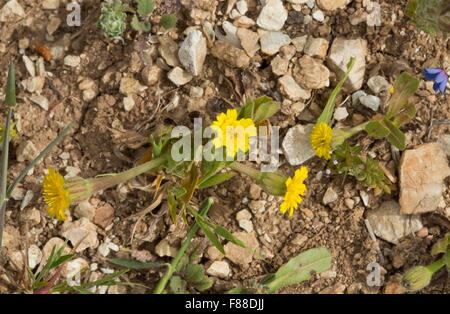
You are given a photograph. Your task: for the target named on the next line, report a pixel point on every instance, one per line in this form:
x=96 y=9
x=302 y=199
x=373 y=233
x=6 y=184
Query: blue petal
x=442 y=86
x=430 y=74
x=441 y=77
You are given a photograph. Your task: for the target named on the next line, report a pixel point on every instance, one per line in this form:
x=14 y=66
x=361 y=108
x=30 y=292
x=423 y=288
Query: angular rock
x=82 y=232
x=331 y=5
x=40 y=100
x=316 y=47
x=233 y=56
x=151 y=75
x=341 y=51
x=370 y=101
x=330 y=196
x=74 y=267
x=300 y=42
x=310 y=73
x=249 y=41
x=291 y=89
x=169 y=51
x=272 y=16
x=378 y=84
x=444 y=140
x=34 y=84
x=239 y=255
x=340 y=113
x=11 y=10
x=163 y=248
x=34 y=256
x=50 y=4
x=296 y=144
x=192 y=53
x=271 y=42
x=26 y=151
x=72 y=61
x=422 y=174
x=129 y=86
x=85 y=209
x=246 y=224
x=318 y=16
x=356 y=96
x=219 y=269
x=389 y=224
x=104 y=215
x=179 y=77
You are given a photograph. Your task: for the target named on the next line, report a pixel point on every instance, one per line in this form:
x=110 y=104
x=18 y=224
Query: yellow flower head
x=392 y=90
x=232 y=133
x=59 y=193
x=55 y=195
x=295 y=189
x=321 y=137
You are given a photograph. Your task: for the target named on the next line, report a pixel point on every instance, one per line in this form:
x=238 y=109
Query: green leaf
x=168 y=21
x=132 y=264
x=396 y=137
x=265 y=110
x=405 y=116
x=145 y=7
x=228 y=236
x=10 y=99
x=215 y=180
x=177 y=285
x=441 y=246
x=328 y=111
x=404 y=88
x=204 y=284
x=210 y=235
x=300 y=268
x=139 y=26
x=376 y=129
x=246 y=111
x=194 y=273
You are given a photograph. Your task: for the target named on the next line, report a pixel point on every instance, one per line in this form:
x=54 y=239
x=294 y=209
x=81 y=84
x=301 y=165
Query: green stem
x=110 y=181
x=434 y=267
x=340 y=136
x=173 y=266
x=4 y=173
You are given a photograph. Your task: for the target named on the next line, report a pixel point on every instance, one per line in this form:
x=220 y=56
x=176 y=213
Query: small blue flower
x=439 y=77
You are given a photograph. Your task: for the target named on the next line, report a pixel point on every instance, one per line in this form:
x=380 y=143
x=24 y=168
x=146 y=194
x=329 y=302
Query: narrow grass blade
x=39 y=157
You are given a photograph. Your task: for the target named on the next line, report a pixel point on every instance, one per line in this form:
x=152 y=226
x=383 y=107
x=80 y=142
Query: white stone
x=130 y=86
x=388 y=224
x=40 y=100
x=72 y=61
x=272 y=16
x=296 y=144
x=271 y=42
x=340 y=113
x=378 y=84
x=242 y=6
x=81 y=232
x=356 y=96
x=163 y=248
x=192 y=52
x=179 y=77
x=34 y=256
x=291 y=89
x=219 y=269
x=246 y=224
x=330 y=196
x=318 y=16
x=300 y=42
x=29 y=65
x=26 y=151
x=74 y=267
x=12 y=7
x=50 y=4
x=371 y=102
x=128 y=103
x=340 y=54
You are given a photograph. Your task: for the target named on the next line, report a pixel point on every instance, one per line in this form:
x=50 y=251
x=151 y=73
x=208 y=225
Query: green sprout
x=420 y=277
x=112 y=21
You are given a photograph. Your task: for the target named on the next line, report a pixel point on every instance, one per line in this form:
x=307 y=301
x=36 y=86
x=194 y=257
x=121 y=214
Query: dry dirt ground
x=107 y=138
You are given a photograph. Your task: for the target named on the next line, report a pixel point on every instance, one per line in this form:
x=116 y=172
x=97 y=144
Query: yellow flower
x=55 y=195
x=232 y=133
x=295 y=188
x=321 y=137
x=392 y=90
